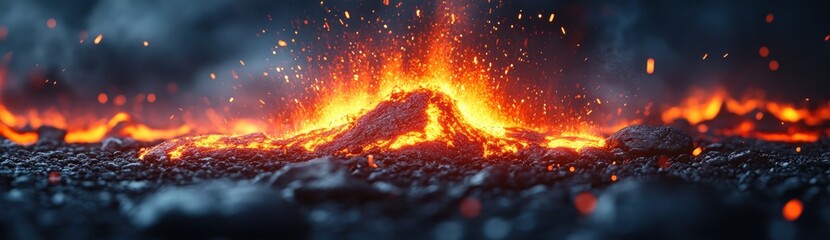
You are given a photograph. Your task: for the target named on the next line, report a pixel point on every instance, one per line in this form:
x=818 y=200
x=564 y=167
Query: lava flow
x=752 y=116
x=424 y=121
x=425 y=92
x=86 y=129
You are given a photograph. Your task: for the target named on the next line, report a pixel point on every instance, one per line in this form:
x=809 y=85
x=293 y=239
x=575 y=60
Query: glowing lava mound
x=423 y=122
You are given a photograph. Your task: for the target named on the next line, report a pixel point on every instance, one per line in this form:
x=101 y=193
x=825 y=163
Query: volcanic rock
x=113 y=144
x=219 y=209
x=410 y=114
x=644 y=140
x=492 y=176
x=666 y=209
x=51 y=135
x=321 y=179
x=559 y=155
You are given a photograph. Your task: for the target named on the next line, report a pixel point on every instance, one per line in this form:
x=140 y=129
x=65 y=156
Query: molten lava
x=753 y=116
x=89 y=129
x=424 y=121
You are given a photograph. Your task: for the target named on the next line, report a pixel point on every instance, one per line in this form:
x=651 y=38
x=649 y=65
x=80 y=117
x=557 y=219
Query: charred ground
x=734 y=188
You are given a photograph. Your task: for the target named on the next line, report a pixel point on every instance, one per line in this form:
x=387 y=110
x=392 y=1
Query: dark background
x=189 y=40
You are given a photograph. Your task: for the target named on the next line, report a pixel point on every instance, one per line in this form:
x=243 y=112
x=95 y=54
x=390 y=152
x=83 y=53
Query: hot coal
x=735 y=187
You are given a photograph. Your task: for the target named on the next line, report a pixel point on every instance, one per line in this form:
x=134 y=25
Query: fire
x=424 y=119
x=427 y=89
x=120 y=124
x=704 y=106
x=78 y=129
x=427 y=93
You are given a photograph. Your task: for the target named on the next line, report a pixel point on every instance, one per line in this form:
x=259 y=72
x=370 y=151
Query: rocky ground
x=644 y=184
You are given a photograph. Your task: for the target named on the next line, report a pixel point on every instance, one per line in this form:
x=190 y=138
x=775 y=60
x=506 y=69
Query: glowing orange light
x=282 y=43
x=456 y=91
x=550 y=19
x=146 y=43
x=371 y=159
x=697 y=151
x=151 y=97
x=700 y=106
x=120 y=100
x=764 y=51
x=585 y=203
x=650 y=66
x=773 y=65
x=347 y=15
x=98 y=39
x=614 y=177
x=702 y=128
x=792 y=210
x=212 y=76
x=102 y=98
x=51 y=23
x=550 y=168
x=572 y=169
x=798 y=149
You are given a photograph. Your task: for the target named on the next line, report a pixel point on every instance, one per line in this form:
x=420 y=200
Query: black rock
x=559 y=156
x=666 y=209
x=322 y=179
x=493 y=176
x=50 y=135
x=113 y=144
x=644 y=140
x=219 y=209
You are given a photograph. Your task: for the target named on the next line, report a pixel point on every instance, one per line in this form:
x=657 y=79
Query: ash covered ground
x=735 y=188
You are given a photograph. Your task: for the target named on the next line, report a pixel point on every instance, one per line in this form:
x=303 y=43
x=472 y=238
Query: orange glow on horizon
x=705 y=105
